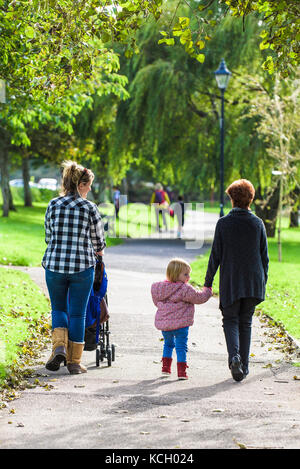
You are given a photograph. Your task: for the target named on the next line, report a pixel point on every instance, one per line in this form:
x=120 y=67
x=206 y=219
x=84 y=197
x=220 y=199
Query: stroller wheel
x=113 y=352
x=97 y=357
x=102 y=353
x=109 y=357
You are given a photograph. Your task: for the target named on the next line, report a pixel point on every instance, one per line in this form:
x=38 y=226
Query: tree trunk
x=295 y=202
x=294 y=219
x=4 y=181
x=11 y=202
x=26 y=179
x=266 y=208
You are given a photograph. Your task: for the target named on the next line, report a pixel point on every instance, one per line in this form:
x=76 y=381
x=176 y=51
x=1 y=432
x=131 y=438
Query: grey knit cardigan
x=240 y=249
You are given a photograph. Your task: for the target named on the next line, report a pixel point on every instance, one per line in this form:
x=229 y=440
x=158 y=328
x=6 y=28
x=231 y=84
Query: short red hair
x=241 y=193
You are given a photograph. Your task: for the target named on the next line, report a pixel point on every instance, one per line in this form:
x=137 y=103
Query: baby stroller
x=96 y=322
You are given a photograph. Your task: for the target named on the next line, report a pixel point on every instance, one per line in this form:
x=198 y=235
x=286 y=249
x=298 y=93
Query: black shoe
x=236 y=368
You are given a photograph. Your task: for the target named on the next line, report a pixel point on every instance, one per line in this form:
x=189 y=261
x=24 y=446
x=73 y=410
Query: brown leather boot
x=59 y=348
x=166 y=367
x=75 y=350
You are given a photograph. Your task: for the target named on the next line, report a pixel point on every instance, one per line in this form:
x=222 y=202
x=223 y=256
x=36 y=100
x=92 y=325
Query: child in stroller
x=96 y=322
x=95 y=315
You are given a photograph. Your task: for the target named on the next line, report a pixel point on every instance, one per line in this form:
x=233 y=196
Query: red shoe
x=166 y=368
x=181 y=370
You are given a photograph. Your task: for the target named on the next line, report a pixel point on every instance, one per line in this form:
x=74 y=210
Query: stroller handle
x=99 y=258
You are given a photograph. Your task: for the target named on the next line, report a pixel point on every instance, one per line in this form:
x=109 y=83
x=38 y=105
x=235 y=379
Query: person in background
x=74 y=236
x=179 y=212
x=116 y=200
x=162 y=203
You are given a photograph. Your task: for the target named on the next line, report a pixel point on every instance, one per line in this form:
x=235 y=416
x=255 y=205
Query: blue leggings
x=70 y=314
x=178 y=339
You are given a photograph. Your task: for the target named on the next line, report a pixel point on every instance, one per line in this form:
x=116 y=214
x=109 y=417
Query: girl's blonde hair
x=73 y=174
x=175 y=268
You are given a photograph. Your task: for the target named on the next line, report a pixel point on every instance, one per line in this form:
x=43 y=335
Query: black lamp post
x=222 y=76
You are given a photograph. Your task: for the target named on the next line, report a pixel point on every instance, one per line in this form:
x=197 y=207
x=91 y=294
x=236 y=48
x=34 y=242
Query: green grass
x=282 y=301
x=22 y=233
x=135 y=220
x=283 y=293
x=22 y=305
x=22 y=236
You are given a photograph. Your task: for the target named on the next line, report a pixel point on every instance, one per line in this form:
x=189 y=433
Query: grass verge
x=282 y=301
x=24 y=326
x=22 y=236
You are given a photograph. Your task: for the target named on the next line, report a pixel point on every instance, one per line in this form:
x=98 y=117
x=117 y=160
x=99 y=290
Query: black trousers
x=237 y=324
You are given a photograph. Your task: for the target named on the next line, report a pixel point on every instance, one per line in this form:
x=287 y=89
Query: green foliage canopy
x=280 y=34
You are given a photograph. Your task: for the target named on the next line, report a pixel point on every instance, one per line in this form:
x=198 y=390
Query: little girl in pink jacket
x=175 y=299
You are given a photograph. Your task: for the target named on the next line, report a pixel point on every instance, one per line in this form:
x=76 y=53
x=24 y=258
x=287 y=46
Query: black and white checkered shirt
x=73 y=232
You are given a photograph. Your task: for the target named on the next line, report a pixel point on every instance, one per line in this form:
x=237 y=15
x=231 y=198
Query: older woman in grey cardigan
x=240 y=249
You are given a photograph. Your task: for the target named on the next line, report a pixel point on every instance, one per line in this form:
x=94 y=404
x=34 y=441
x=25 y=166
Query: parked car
x=20 y=183
x=48 y=183
x=16 y=183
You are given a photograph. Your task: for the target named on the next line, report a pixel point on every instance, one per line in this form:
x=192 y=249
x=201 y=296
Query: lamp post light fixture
x=280 y=174
x=222 y=76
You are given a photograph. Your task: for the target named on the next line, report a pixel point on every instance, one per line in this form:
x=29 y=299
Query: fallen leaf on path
x=144 y=433
x=20 y=424
x=297 y=377
x=241 y=445
x=218 y=410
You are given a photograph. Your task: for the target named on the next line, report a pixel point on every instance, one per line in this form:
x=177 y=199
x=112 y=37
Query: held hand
x=100 y=253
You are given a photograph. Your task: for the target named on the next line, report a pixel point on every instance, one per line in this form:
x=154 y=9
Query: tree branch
x=194 y=109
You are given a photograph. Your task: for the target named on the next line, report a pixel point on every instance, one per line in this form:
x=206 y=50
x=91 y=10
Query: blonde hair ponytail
x=73 y=174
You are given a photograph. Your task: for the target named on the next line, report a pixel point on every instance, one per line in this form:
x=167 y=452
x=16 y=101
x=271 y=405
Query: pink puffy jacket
x=175 y=304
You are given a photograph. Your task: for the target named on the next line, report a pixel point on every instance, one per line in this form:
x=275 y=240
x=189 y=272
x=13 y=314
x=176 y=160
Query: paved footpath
x=129 y=405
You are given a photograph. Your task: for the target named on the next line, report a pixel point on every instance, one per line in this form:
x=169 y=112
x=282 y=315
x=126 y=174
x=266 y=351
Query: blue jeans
x=178 y=339
x=69 y=295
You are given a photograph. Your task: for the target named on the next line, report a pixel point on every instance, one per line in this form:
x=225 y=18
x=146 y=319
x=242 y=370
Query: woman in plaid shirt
x=74 y=234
